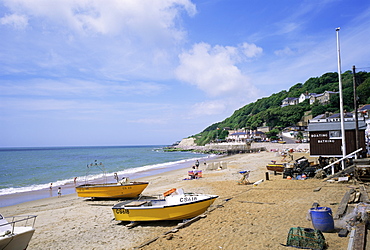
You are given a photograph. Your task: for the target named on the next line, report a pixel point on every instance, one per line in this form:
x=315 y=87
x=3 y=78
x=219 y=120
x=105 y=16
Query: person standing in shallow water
x=197 y=163
x=59 y=192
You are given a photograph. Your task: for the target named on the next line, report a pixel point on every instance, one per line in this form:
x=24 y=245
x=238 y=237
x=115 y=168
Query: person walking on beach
x=197 y=163
x=59 y=192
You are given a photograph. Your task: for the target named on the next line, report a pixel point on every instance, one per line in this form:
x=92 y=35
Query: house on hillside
x=305 y=96
x=240 y=136
x=264 y=129
x=289 y=101
x=364 y=111
x=322 y=98
x=258 y=136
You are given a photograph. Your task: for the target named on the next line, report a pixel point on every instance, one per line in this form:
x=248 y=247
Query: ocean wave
x=131 y=173
x=135 y=172
x=7 y=191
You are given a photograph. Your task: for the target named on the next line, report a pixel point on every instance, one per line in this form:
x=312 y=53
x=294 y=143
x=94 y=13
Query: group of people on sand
x=59 y=190
x=194 y=173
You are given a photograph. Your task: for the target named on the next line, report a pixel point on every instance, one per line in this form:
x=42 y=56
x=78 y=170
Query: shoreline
x=243 y=217
x=69 y=187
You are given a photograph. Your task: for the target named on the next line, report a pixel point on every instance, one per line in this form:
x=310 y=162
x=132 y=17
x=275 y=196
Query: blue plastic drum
x=322 y=219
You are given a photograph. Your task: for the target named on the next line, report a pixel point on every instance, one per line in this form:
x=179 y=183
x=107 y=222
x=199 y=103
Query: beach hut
x=326 y=136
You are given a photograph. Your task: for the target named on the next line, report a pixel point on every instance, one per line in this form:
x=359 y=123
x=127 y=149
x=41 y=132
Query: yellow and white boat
x=16 y=231
x=176 y=205
x=112 y=190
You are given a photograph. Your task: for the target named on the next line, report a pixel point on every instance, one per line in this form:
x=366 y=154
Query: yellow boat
x=176 y=205
x=121 y=189
x=111 y=190
x=276 y=167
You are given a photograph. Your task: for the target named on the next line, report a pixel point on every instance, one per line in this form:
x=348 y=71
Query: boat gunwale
x=278 y=167
x=275 y=167
x=20 y=219
x=113 y=184
x=276 y=164
x=161 y=207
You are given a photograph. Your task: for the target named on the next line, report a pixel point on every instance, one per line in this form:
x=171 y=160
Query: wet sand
x=243 y=217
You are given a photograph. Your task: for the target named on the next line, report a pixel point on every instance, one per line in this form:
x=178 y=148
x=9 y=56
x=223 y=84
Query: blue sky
x=151 y=72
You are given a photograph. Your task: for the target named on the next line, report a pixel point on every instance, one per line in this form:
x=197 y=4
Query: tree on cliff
x=268 y=111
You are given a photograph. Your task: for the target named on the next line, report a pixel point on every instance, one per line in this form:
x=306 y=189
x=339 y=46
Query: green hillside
x=267 y=111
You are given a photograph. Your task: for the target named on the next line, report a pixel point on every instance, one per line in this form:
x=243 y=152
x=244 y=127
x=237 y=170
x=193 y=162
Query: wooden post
x=359 y=241
x=343 y=204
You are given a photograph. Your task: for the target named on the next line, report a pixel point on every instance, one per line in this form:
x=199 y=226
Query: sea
x=26 y=174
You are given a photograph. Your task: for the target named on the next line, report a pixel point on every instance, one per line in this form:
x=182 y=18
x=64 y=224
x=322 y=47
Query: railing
x=341 y=159
x=25 y=221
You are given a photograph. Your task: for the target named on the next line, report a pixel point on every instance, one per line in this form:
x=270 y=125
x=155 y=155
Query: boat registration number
x=188 y=199
x=122 y=211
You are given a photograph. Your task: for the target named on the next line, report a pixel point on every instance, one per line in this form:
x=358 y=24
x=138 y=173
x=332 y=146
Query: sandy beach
x=243 y=217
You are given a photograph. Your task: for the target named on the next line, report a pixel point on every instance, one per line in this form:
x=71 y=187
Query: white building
x=305 y=96
x=289 y=101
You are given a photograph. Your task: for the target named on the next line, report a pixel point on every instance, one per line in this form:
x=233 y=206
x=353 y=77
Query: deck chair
x=245 y=175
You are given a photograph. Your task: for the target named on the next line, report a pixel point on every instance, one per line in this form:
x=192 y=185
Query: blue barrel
x=322 y=219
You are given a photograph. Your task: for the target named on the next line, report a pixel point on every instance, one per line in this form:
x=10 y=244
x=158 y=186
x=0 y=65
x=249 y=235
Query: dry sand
x=245 y=216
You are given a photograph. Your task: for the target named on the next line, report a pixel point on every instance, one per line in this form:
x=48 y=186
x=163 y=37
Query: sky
x=152 y=72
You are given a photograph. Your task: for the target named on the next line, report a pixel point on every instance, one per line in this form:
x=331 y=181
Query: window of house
x=335 y=134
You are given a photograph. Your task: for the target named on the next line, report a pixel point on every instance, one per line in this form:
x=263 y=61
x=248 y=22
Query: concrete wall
x=255 y=145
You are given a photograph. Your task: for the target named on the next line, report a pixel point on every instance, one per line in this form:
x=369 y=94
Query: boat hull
x=19 y=241
x=111 y=190
x=167 y=212
x=16 y=232
x=275 y=167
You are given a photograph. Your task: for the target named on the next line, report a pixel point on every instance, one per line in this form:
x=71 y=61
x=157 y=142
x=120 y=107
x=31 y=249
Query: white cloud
x=103 y=39
x=214 y=69
x=34 y=105
x=149 y=121
x=284 y=52
x=208 y=108
x=285 y=28
x=107 y=17
x=17 y=21
x=251 y=50
x=72 y=87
